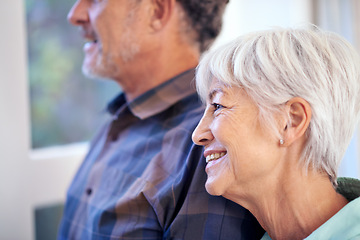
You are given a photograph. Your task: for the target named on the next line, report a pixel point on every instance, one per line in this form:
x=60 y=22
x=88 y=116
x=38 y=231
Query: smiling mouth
x=88 y=40
x=214 y=156
x=90 y=44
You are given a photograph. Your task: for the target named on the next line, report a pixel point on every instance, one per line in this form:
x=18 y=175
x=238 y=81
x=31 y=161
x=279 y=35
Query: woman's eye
x=217 y=106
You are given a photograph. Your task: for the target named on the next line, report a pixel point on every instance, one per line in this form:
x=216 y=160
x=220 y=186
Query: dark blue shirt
x=144 y=178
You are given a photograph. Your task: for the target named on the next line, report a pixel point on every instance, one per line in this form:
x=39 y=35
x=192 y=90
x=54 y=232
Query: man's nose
x=78 y=14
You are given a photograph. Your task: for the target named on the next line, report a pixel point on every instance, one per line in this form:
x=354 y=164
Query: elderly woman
x=281 y=108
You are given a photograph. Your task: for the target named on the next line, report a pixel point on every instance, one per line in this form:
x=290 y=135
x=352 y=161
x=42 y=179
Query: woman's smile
x=214 y=156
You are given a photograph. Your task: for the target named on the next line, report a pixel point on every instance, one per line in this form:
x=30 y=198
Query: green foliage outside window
x=65 y=106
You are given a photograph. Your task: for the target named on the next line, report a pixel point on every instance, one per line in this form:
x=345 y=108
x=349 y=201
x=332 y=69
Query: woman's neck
x=292 y=207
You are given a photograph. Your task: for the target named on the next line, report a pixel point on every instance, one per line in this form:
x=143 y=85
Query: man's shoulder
x=188 y=110
x=191 y=103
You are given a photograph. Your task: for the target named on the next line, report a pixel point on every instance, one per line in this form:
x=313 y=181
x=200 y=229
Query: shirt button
x=88 y=191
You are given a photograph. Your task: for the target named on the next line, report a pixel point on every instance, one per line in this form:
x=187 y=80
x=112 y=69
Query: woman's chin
x=212 y=189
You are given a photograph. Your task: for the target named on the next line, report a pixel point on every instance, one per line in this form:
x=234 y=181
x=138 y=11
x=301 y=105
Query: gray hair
x=276 y=65
x=203 y=20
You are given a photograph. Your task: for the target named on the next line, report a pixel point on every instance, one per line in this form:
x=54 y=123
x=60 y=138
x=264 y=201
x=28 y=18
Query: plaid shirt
x=144 y=178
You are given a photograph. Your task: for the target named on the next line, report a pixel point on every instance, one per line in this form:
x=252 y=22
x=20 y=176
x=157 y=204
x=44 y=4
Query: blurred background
x=49 y=111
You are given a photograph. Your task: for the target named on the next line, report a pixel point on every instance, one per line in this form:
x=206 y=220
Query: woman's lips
x=214 y=156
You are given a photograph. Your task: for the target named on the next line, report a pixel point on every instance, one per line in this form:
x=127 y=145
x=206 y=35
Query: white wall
x=14 y=125
x=244 y=16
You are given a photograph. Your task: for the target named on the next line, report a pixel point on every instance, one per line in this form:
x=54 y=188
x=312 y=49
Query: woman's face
x=238 y=150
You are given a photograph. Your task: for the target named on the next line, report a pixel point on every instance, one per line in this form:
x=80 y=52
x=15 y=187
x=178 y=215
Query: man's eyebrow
x=213 y=92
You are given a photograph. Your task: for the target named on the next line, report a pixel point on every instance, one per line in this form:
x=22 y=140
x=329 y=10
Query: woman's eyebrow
x=215 y=91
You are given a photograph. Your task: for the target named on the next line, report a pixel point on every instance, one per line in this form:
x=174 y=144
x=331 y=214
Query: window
x=65 y=106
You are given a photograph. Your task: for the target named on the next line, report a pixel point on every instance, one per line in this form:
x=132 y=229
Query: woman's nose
x=78 y=14
x=202 y=134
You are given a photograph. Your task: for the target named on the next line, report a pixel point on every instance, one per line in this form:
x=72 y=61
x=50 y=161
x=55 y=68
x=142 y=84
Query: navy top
x=143 y=178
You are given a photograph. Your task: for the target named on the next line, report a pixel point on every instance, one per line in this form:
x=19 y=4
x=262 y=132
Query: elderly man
x=143 y=178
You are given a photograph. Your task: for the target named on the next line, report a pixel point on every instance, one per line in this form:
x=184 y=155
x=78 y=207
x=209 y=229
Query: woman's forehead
x=219 y=88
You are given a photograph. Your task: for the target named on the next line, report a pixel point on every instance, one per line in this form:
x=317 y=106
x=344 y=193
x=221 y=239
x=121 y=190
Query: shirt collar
x=159 y=98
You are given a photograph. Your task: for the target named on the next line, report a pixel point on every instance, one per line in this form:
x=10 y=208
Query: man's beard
x=106 y=66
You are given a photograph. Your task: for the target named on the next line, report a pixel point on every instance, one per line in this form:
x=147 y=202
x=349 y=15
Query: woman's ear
x=161 y=13
x=299 y=112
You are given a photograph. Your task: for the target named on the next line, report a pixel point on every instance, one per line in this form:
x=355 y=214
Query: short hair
x=275 y=65
x=204 y=19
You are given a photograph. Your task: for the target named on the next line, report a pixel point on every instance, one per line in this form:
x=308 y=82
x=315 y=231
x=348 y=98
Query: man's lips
x=91 y=40
x=89 y=35
x=90 y=46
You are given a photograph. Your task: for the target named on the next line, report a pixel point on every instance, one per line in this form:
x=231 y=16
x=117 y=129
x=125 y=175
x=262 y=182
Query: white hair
x=276 y=65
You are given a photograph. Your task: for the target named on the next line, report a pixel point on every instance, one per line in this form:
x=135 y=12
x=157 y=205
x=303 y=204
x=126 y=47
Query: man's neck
x=156 y=70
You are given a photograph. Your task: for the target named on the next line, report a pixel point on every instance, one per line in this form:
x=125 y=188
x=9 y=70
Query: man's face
x=112 y=29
